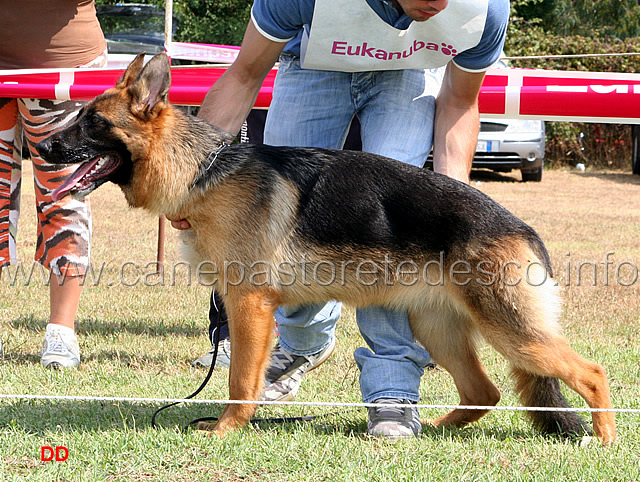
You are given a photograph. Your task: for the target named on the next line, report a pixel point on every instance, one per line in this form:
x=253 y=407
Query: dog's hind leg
x=251 y=326
x=520 y=321
x=536 y=370
x=447 y=337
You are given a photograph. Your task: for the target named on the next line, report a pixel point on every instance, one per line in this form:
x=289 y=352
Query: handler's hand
x=180 y=224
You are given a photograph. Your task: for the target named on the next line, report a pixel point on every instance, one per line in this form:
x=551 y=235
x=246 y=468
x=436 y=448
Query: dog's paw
x=210 y=429
x=205 y=429
x=205 y=426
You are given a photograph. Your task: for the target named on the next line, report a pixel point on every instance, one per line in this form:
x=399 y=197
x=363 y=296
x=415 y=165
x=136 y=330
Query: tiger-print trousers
x=64 y=227
x=63 y=240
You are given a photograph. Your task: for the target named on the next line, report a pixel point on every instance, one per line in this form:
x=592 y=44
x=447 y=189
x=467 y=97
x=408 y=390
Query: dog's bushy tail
x=538 y=391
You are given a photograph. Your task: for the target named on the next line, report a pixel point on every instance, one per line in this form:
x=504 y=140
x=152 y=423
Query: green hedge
x=212 y=21
x=595 y=145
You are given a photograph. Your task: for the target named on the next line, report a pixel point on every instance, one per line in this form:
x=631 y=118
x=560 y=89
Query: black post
x=635 y=149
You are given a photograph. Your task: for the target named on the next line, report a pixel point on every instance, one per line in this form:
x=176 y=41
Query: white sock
x=64 y=329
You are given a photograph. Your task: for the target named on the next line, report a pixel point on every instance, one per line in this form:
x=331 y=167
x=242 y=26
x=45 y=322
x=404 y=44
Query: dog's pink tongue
x=72 y=180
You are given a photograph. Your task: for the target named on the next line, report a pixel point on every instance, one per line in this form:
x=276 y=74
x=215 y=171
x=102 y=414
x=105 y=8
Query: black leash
x=216 y=340
x=206 y=379
x=304 y=418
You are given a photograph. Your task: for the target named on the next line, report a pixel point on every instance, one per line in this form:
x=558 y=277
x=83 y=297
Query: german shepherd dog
x=319 y=224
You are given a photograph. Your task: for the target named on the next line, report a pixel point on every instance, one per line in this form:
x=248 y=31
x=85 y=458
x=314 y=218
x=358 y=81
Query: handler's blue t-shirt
x=284 y=21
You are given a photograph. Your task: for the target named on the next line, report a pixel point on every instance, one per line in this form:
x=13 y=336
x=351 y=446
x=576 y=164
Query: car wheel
x=532 y=176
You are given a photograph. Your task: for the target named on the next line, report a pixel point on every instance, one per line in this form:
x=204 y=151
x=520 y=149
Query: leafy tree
x=213 y=21
x=206 y=21
x=588 y=18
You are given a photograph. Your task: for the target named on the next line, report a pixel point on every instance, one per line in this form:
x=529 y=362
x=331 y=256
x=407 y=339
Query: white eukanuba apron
x=348 y=36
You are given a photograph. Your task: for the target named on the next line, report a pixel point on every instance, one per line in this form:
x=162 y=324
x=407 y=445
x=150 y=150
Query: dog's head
x=113 y=130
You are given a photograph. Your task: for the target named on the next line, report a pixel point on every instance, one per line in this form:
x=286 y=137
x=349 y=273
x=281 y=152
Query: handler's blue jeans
x=396 y=109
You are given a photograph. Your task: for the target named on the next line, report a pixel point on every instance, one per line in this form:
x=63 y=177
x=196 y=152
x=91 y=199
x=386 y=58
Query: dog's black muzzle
x=46 y=148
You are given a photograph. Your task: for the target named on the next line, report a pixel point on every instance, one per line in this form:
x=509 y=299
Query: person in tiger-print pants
x=43 y=34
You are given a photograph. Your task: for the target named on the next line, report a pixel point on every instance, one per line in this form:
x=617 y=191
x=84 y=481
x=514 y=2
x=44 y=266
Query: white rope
x=570 y=56
x=312 y=404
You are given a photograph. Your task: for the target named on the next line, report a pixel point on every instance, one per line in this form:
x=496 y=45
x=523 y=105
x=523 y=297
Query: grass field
x=139 y=333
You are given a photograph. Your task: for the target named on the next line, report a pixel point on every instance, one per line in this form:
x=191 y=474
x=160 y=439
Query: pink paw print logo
x=448 y=50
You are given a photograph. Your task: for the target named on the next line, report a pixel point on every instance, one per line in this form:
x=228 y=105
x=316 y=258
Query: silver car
x=506 y=144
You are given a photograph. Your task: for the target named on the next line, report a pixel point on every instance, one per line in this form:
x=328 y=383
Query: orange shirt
x=49 y=33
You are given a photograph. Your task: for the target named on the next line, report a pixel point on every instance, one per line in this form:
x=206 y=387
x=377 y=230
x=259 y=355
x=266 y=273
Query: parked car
x=131 y=28
x=506 y=144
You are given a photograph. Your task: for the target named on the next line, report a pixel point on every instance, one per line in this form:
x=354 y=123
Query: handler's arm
x=230 y=99
x=457 y=123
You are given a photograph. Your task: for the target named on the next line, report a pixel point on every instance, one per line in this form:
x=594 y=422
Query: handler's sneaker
x=223 y=359
x=60 y=348
x=286 y=370
x=393 y=422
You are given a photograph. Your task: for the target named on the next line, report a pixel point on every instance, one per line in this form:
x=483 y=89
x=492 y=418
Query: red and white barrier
x=506 y=93
x=188 y=87
x=556 y=95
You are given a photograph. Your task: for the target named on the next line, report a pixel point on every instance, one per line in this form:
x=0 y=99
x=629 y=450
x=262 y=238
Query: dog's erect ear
x=150 y=89
x=132 y=72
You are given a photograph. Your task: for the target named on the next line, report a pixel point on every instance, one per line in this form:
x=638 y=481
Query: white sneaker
x=60 y=348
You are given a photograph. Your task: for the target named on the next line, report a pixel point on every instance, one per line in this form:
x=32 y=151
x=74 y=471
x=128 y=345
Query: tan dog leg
x=446 y=336
x=473 y=384
x=251 y=328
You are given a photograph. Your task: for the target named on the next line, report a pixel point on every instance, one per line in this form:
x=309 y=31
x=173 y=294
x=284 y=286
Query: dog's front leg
x=251 y=328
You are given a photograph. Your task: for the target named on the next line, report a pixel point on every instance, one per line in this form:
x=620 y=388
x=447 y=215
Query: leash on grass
x=303 y=418
x=206 y=379
x=214 y=356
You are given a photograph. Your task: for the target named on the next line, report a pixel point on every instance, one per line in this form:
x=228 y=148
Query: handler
x=379 y=61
